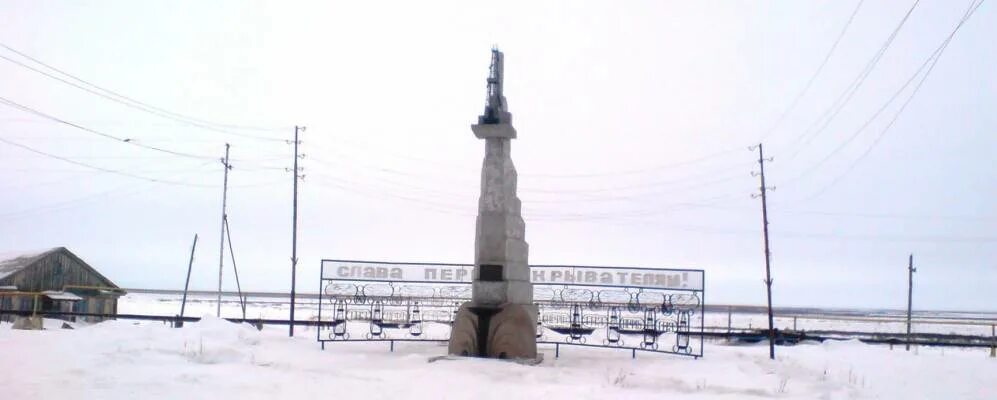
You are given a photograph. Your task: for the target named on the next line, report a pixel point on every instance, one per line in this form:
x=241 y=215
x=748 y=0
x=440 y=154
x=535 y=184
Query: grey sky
x=633 y=117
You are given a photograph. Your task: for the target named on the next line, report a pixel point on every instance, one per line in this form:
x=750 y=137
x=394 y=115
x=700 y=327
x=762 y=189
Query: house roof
x=14 y=262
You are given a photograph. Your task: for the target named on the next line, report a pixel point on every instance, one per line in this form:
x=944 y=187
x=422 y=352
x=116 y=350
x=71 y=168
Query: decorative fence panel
x=645 y=309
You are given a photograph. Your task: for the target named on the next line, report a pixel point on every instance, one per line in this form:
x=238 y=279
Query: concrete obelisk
x=500 y=320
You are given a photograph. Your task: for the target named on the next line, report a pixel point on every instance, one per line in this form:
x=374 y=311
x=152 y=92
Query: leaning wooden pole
x=186 y=285
x=235 y=269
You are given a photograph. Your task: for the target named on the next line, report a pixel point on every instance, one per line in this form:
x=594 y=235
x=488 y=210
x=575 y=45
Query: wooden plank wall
x=54 y=272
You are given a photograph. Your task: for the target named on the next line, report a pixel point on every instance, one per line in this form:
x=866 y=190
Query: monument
x=500 y=320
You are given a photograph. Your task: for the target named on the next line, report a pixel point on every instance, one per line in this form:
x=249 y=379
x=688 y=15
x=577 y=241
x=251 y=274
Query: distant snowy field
x=215 y=359
x=278 y=308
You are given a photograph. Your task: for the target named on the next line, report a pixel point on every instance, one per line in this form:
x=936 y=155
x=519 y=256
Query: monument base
x=503 y=331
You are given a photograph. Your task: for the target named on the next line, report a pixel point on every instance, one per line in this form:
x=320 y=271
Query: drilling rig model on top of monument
x=500 y=320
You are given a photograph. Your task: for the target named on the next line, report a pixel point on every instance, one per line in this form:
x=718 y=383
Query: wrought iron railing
x=637 y=309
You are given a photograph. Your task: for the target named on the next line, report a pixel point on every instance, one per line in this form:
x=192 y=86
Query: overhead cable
x=128 y=141
x=810 y=82
x=845 y=97
x=925 y=67
x=933 y=60
x=97 y=168
x=128 y=102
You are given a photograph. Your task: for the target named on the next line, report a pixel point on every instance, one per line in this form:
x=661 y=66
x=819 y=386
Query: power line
x=353 y=188
x=835 y=214
x=641 y=195
x=637 y=171
x=933 y=59
x=178 y=115
x=68 y=204
x=637 y=213
x=108 y=170
x=892 y=216
x=450 y=167
x=612 y=192
x=928 y=63
x=845 y=97
x=454 y=205
x=128 y=102
x=890 y=238
x=806 y=88
x=128 y=141
x=643 y=220
x=325 y=182
x=468 y=196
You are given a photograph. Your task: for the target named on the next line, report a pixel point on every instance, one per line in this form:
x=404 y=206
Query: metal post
x=910 y=292
x=993 y=337
x=765 y=229
x=221 y=246
x=294 y=233
x=702 y=312
x=728 y=322
x=321 y=283
x=186 y=285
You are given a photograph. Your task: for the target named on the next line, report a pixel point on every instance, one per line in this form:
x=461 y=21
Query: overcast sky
x=634 y=122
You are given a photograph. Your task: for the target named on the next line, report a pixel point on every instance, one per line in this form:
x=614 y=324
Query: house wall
x=89 y=304
x=96 y=305
x=54 y=272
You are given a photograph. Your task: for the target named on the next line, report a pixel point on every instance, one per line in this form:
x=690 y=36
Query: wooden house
x=55 y=280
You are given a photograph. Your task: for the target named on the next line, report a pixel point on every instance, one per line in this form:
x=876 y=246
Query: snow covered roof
x=56 y=295
x=14 y=261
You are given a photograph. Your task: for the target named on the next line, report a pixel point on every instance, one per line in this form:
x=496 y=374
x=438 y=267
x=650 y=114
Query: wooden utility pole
x=765 y=229
x=294 y=228
x=910 y=291
x=221 y=248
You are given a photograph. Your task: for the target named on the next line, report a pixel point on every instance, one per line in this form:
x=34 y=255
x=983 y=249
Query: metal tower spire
x=496 y=111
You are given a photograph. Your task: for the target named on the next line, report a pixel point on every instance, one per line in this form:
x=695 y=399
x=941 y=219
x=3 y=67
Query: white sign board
x=672 y=279
x=397 y=272
x=612 y=276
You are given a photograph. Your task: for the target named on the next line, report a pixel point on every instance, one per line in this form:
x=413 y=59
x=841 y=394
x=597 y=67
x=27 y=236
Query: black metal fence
x=172 y=320
x=636 y=309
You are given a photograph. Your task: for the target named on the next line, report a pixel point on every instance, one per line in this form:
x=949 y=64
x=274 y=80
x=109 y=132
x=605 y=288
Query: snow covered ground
x=216 y=359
